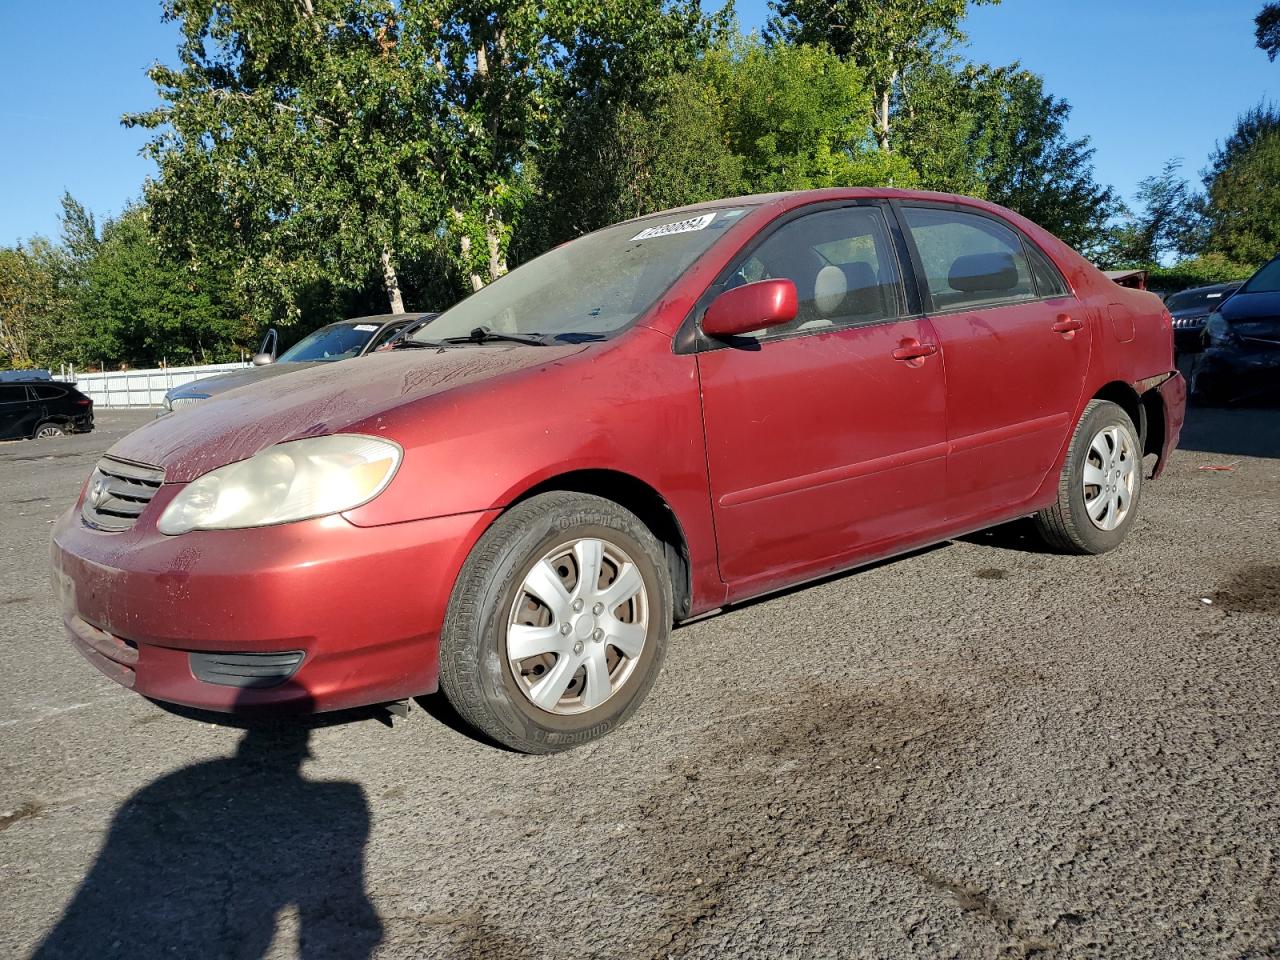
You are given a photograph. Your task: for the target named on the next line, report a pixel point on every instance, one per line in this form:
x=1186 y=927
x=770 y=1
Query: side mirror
x=752 y=307
x=262 y=359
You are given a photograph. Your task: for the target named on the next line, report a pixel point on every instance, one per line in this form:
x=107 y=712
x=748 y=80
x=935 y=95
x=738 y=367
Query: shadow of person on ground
x=202 y=862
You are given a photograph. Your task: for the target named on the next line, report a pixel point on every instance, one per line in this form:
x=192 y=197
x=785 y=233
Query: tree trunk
x=477 y=281
x=493 y=239
x=392 y=283
x=882 y=118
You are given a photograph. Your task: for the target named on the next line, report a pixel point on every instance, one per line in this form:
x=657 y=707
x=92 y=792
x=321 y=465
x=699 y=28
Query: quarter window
x=842 y=263
x=969 y=260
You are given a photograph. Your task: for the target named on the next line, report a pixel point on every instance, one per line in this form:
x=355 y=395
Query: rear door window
x=11 y=395
x=969 y=260
x=49 y=392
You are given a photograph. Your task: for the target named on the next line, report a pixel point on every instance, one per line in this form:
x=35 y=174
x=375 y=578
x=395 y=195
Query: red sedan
x=649 y=423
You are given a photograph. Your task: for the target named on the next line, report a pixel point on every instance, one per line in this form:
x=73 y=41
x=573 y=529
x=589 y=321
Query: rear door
x=1016 y=346
x=17 y=411
x=825 y=438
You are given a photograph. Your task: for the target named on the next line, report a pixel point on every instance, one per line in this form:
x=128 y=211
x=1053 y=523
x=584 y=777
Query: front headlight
x=1218 y=331
x=290 y=481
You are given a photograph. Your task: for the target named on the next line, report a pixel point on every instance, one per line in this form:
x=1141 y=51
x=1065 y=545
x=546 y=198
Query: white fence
x=140 y=388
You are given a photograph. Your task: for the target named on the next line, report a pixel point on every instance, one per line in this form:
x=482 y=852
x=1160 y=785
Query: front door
x=826 y=439
x=1016 y=346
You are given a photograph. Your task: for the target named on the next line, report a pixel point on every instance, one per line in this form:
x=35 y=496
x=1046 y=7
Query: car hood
x=1254 y=316
x=328 y=398
x=222 y=382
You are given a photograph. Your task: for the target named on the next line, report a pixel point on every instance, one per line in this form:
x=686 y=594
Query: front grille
x=1184 y=323
x=117 y=494
x=177 y=402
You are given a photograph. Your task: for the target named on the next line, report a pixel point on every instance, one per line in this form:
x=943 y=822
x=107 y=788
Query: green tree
x=1243 y=203
x=888 y=39
x=994 y=132
x=744 y=118
x=34 y=304
x=1167 y=223
x=142 y=306
x=290 y=146
x=1268 y=23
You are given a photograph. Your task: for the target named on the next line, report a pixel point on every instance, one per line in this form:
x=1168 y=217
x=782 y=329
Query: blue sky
x=1148 y=80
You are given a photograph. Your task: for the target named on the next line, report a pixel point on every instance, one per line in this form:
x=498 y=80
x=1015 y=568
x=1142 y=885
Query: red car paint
x=815 y=454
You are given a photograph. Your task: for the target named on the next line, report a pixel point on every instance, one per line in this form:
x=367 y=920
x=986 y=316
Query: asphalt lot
x=981 y=750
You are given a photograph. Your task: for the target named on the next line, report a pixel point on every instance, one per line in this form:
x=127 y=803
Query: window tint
x=842 y=263
x=969 y=260
x=12 y=393
x=1049 y=282
x=48 y=392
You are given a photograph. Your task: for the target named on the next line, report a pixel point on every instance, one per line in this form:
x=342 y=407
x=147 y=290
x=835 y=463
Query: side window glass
x=1049 y=282
x=969 y=260
x=842 y=263
x=48 y=393
x=12 y=395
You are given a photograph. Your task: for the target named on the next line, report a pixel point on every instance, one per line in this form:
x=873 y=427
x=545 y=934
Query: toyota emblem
x=98 y=492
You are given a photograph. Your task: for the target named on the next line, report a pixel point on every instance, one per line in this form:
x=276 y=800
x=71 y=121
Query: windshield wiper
x=485 y=335
x=417 y=345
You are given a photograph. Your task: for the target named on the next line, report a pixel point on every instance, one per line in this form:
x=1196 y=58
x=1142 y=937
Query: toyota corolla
x=654 y=421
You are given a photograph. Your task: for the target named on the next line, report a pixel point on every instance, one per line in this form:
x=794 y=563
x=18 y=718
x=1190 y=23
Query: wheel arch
x=65 y=422
x=645 y=502
x=1126 y=398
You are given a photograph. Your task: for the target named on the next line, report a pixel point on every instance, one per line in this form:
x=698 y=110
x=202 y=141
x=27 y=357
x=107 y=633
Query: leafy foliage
x=887 y=39
x=1268 y=23
x=1243 y=204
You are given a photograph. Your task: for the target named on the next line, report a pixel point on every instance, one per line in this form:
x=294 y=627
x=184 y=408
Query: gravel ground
x=981 y=750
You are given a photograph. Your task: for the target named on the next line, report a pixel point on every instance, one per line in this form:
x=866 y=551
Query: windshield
x=590 y=287
x=334 y=342
x=1266 y=280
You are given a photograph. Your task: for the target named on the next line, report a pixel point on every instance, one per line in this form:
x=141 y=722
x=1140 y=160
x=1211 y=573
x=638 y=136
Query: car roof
x=797 y=198
x=1210 y=287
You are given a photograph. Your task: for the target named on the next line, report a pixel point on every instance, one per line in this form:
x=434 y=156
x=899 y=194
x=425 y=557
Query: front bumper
x=1225 y=374
x=363 y=606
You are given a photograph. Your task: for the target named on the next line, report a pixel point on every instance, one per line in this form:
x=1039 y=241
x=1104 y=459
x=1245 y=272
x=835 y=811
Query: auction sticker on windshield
x=366 y=326
x=680 y=226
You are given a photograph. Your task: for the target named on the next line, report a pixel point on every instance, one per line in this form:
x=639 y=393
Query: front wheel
x=1100 y=486
x=558 y=623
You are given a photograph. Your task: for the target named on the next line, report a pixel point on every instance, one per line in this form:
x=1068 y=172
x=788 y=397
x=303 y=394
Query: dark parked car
x=1241 y=359
x=1191 y=308
x=337 y=341
x=42 y=408
x=641 y=426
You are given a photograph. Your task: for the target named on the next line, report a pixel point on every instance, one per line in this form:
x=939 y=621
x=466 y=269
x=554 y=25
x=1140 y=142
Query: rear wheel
x=558 y=623
x=47 y=431
x=1100 y=486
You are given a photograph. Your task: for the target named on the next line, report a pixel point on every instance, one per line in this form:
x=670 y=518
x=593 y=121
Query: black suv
x=42 y=408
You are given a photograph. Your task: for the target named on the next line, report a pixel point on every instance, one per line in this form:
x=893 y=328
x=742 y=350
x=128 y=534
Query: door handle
x=914 y=352
x=1067 y=324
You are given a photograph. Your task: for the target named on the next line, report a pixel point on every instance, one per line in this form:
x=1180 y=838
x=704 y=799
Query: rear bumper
x=1173 y=398
x=363 y=607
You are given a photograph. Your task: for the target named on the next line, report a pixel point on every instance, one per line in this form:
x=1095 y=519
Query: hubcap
x=46 y=432
x=577 y=626
x=1110 y=473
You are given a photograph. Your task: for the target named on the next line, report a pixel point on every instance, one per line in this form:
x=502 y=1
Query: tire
x=1068 y=525
x=547 y=540
x=47 y=431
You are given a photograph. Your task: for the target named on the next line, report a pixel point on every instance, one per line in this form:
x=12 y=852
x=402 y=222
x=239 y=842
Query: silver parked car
x=337 y=341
